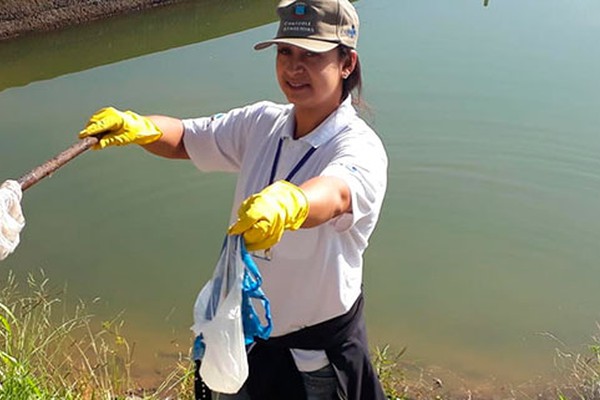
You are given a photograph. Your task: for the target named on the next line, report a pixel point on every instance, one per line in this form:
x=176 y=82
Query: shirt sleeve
x=218 y=142
x=362 y=164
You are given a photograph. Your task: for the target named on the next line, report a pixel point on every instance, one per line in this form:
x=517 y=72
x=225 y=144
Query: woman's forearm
x=328 y=197
x=170 y=144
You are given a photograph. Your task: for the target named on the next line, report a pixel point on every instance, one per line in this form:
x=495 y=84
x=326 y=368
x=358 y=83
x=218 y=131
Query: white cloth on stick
x=11 y=217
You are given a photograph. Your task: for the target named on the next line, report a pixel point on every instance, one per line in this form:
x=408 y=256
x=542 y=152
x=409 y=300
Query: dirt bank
x=19 y=17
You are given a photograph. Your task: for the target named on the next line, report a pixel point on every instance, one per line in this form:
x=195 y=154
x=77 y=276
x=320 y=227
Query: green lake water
x=486 y=257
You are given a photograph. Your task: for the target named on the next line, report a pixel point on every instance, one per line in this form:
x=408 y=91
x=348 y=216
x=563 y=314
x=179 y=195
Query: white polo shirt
x=314 y=274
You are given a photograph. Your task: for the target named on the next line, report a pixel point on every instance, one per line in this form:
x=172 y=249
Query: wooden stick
x=50 y=166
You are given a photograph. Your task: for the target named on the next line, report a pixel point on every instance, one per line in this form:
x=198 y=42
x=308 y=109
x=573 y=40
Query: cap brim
x=317 y=46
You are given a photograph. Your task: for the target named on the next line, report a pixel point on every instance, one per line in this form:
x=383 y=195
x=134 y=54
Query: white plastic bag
x=11 y=217
x=218 y=318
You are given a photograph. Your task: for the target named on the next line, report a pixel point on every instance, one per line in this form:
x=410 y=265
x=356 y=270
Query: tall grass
x=581 y=371
x=386 y=366
x=50 y=352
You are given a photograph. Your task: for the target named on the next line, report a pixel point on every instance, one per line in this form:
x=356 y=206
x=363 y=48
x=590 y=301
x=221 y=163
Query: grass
x=387 y=368
x=50 y=351
x=578 y=378
x=397 y=385
x=581 y=372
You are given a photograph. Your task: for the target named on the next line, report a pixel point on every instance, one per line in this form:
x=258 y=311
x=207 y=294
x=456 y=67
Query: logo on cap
x=300 y=9
x=351 y=32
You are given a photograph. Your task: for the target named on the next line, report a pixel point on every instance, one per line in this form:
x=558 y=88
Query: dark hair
x=352 y=84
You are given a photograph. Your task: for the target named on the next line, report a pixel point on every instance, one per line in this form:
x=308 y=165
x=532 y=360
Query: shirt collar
x=330 y=127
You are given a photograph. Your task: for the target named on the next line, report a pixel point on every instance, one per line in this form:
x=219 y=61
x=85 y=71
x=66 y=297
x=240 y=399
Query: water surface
x=488 y=236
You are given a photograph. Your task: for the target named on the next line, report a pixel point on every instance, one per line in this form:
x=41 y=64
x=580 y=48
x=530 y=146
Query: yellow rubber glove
x=120 y=128
x=263 y=217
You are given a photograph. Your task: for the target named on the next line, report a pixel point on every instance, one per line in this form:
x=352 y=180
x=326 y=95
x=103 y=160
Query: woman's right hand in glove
x=119 y=128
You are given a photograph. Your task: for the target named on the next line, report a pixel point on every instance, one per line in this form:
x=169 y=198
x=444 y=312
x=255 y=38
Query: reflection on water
x=48 y=55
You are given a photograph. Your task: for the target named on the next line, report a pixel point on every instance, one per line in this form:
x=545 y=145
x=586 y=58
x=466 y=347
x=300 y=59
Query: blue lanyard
x=294 y=170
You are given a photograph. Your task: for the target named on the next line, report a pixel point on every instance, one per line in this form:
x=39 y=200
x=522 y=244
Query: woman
x=312 y=177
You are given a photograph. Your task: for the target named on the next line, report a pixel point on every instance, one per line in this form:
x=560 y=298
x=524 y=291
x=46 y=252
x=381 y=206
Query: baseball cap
x=315 y=25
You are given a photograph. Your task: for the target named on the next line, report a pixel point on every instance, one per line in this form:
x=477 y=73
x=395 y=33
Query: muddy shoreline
x=22 y=17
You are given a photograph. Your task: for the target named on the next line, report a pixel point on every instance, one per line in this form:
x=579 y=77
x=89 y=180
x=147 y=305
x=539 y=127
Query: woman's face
x=310 y=80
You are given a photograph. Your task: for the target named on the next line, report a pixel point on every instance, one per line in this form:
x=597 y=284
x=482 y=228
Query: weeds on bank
x=47 y=352
x=581 y=371
x=386 y=366
x=578 y=379
x=395 y=382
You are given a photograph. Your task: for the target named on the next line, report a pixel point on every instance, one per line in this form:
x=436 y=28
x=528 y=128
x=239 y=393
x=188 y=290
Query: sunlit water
x=488 y=242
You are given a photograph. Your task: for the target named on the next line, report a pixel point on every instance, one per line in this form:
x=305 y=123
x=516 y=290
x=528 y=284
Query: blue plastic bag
x=225 y=320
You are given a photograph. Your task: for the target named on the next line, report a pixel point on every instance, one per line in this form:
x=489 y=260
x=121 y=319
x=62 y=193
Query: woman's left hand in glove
x=263 y=217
